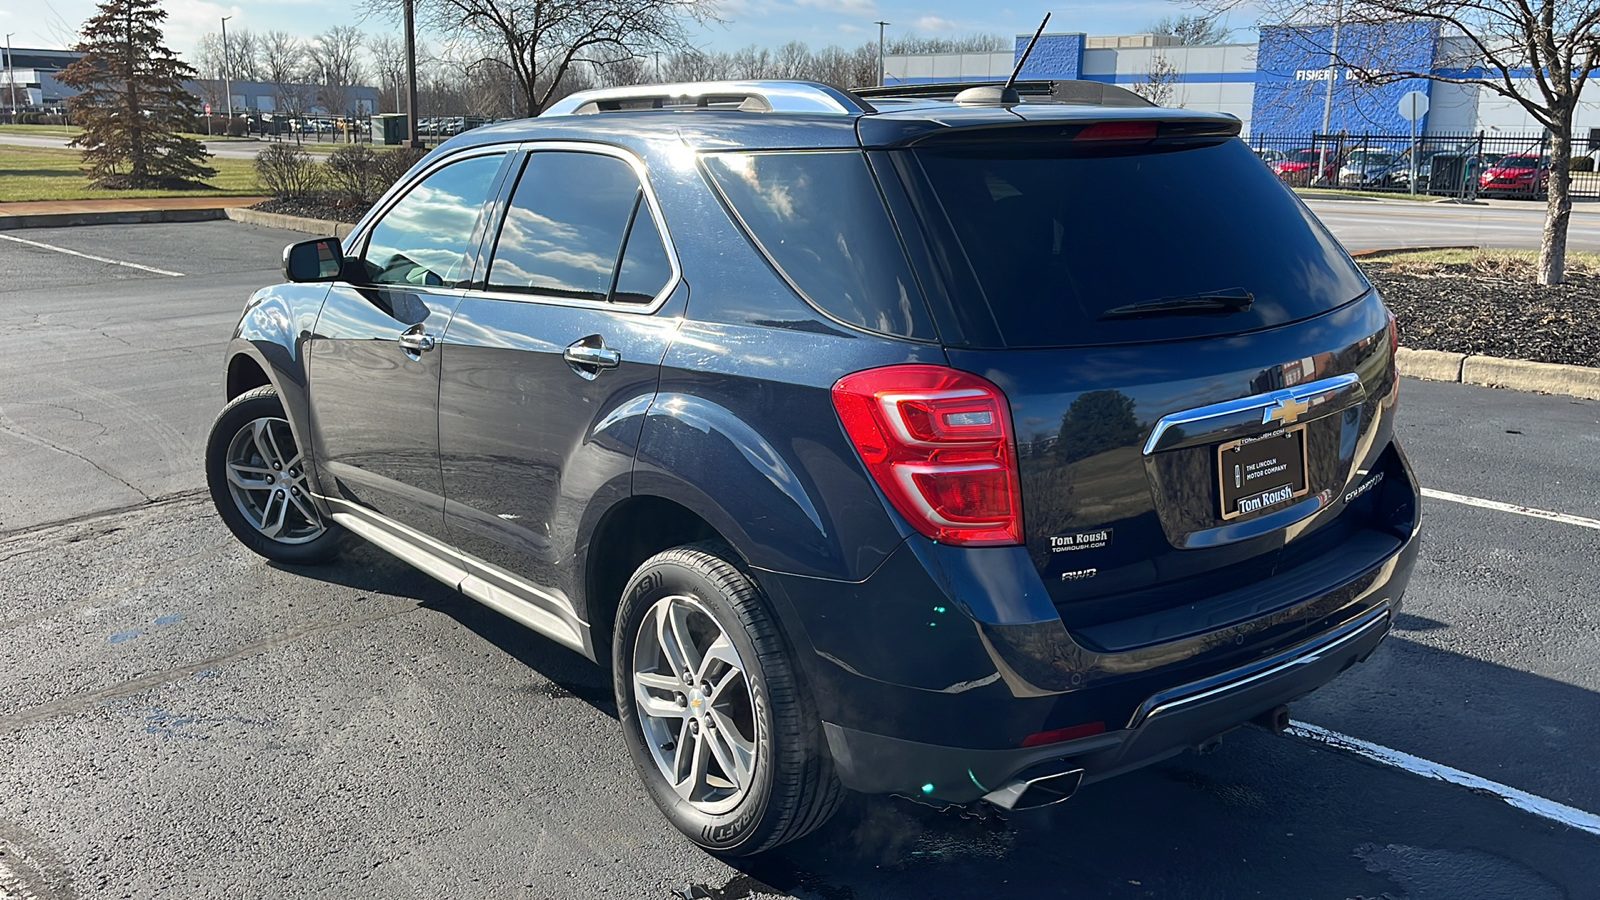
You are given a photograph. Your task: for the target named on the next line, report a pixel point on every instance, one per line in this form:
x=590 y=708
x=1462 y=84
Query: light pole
x=881 y=76
x=227 y=82
x=11 y=75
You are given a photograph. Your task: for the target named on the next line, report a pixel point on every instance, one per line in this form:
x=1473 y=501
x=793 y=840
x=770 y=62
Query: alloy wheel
x=267 y=480
x=695 y=704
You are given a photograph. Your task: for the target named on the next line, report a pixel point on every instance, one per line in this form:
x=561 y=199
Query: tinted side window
x=645 y=266
x=820 y=220
x=565 y=228
x=423 y=240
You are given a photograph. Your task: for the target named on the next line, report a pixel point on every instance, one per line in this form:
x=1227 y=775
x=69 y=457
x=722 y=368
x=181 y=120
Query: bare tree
x=1159 y=78
x=1191 y=30
x=335 y=63
x=545 y=40
x=388 y=55
x=1537 y=53
x=282 y=59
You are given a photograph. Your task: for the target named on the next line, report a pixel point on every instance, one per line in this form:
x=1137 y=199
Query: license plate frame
x=1258 y=452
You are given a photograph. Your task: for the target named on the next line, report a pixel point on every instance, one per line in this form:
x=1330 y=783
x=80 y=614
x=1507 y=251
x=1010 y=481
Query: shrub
x=237 y=127
x=286 y=171
x=394 y=164
x=1581 y=164
x=353 y=173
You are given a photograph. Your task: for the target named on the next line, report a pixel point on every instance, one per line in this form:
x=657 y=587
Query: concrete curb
x=124 y=217
x=339 y=230
x=1492 y=371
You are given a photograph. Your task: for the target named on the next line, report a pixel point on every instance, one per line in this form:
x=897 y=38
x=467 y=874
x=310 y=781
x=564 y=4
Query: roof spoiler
x=1075 y=93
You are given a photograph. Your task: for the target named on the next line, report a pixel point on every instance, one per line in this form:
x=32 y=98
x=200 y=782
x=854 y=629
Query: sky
x=769 y=23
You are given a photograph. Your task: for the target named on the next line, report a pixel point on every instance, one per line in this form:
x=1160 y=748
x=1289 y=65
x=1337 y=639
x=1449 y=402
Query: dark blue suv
x=963 y=450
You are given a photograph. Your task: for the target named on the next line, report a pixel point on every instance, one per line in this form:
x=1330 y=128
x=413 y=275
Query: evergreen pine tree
x=133 y=104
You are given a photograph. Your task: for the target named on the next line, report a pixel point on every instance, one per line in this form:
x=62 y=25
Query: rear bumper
x=1165 y=724
x=940 y=667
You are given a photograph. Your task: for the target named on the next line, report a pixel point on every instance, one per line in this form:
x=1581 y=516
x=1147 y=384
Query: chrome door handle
x=416 y=341
x=592 y=351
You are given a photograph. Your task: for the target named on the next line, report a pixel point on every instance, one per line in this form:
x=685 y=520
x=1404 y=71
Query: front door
x=548 y=373
x=373 y=359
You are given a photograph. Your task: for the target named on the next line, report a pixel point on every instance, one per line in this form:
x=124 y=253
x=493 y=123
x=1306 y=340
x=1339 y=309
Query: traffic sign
x=1413 y=106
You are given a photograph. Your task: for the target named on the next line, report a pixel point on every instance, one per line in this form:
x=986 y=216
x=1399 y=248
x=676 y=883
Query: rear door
x=548 y=372
x=373 y=359
x=1196 y=370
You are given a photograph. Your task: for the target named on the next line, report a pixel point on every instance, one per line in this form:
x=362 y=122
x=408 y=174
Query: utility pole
x=227 y=82
x=412 y=138
x=882 y=77
x=11 y=76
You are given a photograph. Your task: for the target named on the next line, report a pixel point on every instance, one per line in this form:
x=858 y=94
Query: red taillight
x=1118 y=131
x=1064 y=734
x=938 y=443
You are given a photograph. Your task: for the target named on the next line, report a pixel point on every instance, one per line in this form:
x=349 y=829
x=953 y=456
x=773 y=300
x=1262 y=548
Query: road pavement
x=179 y=718
x=1377 y=224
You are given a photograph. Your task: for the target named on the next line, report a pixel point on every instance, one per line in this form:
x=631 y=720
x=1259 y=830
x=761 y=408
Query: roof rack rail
x=1077 y=93
x=750 y=96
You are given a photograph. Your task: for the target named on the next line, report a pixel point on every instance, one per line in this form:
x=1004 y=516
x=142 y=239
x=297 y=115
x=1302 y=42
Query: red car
x=1300 y=167
x=1526 y=174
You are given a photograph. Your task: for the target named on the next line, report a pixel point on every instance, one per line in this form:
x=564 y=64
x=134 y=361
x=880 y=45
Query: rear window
x=1040 y=244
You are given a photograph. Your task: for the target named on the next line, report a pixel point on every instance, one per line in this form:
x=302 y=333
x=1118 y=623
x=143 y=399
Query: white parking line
x=114 y=262
x=1539 y=806
x=1563 y=518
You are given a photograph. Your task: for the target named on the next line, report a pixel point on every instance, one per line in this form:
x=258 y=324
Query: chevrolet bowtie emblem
x=1286 y=411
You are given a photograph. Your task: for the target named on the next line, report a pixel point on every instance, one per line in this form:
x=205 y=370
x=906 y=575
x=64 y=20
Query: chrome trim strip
x=1304 y=654
x=1302 y=392
x=549 y=614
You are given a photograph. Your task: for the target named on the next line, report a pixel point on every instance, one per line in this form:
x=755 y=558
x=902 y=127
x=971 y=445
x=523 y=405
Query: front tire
x=256 y=472
x=713 y=712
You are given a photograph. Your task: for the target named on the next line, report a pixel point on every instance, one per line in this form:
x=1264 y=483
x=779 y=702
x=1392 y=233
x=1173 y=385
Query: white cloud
x=847 y=28
x=935 y=23
x=189 y=20
x=843 y=7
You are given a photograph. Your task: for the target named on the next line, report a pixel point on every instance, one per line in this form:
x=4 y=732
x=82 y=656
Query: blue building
x=1281 y=84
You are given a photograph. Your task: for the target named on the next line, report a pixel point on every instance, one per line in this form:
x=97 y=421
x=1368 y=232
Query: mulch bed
x=1460 y=310
x=319 y=207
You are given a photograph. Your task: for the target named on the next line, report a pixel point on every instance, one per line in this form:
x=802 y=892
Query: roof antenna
x=990 y=95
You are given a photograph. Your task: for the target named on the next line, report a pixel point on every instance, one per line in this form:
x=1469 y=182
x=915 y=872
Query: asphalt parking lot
x=179 y=718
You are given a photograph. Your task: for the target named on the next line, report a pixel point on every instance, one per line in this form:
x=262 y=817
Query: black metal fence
x=1462 y=166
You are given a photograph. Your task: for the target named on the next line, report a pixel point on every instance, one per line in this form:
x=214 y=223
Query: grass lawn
x=1482 y=261
x=37 y=173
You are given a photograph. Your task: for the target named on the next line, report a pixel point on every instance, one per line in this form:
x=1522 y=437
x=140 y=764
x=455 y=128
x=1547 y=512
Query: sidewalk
x=60 y=213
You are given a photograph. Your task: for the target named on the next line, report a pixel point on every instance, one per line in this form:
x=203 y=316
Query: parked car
x=1524 y=174
x=851 y=434
x=1369 y=167
x=1300 y=167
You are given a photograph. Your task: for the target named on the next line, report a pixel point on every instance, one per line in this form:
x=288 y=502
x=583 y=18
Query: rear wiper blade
x=1220 y=302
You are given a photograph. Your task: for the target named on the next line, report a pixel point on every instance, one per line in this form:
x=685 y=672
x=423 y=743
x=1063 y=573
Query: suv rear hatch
x=1198 y=374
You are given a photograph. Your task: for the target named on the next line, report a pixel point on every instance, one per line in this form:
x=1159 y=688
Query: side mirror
x=318 y=260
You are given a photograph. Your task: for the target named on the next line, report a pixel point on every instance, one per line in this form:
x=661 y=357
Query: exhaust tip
x=1042 y=790
x=1275 y=720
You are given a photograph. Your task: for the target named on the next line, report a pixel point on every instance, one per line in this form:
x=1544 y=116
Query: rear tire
x=733 y=754
x=257 y=476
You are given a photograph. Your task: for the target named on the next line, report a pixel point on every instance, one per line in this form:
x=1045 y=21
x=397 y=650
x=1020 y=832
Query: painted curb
x=124 y=217
x=339 y=230
x=1492 y=371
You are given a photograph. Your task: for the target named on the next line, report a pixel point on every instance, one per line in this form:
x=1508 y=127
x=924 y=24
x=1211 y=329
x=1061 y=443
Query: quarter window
x=424 y=240
x=572 y=217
